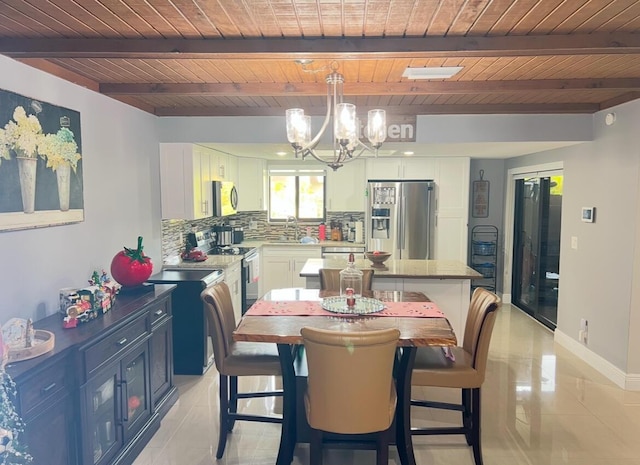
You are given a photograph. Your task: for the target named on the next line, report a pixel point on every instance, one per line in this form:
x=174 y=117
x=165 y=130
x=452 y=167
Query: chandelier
x=347 y=145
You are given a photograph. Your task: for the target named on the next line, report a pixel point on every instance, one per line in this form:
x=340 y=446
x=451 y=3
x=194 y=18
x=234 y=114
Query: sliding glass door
x=536 y=266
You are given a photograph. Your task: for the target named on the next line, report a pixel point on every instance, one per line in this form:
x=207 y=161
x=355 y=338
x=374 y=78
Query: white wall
x=597 y=280
x=494 y=173
x=121 y=198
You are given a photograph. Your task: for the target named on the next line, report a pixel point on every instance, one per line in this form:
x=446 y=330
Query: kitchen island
x=445 y=282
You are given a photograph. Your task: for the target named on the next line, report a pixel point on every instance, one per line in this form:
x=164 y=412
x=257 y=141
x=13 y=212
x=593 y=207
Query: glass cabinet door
x=103 y=436
x=136 y=390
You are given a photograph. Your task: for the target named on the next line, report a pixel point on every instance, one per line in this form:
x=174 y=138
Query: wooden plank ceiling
x=237 y=57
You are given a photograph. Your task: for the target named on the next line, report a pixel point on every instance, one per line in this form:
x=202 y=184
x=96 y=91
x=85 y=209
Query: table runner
x=314 y=308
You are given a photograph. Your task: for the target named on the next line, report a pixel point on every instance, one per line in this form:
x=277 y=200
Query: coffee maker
x=223 y=235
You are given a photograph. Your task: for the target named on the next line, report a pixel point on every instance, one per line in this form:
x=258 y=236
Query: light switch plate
x=574 y=242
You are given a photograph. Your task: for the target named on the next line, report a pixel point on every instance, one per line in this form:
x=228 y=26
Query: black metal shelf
x=484 y=255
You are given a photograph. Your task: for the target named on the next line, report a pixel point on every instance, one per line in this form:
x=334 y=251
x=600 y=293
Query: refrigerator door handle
x=401 y=222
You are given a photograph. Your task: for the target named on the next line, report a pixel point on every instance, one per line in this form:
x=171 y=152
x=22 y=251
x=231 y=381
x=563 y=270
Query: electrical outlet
x=583 y=334
x=253 y=225
x=574 y=242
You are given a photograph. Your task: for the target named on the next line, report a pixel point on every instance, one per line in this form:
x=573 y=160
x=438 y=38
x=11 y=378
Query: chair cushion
x=251 y=359
x=369 y=420
x=432 y=368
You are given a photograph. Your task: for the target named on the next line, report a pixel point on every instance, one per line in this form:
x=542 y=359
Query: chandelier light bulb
x=295 y=120
x=377 y=127
x=345 y=121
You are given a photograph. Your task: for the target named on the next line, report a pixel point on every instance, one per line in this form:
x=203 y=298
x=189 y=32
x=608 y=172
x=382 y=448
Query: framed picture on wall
x=480 y=198
x=40 y=164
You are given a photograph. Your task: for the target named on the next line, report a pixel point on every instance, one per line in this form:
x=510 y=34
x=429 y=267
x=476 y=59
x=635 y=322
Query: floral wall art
x=40 y=164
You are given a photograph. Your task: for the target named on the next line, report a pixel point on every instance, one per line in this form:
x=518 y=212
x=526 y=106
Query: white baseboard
x=629 y=382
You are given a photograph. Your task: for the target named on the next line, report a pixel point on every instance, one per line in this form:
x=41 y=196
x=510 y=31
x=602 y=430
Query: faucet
x=295 y=224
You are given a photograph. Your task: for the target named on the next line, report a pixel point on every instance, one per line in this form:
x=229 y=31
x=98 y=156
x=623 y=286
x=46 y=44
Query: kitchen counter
x=276 y=243
x=438 y=269
x=446 y=282
x=213 y=262
x=220 y=262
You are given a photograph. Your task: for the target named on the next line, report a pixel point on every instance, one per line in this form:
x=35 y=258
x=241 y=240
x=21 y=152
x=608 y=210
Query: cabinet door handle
x=122 y=341
x=45 y=390
x=158 y=312
x=125 y=400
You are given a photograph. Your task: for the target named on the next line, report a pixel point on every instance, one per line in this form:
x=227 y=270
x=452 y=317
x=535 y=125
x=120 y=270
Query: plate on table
x=364 y=305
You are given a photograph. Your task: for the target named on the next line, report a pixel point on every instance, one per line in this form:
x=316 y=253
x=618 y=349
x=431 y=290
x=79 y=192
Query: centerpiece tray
x=364 y=305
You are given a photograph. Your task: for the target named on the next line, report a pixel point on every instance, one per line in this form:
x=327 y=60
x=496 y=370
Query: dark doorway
x=536 y=268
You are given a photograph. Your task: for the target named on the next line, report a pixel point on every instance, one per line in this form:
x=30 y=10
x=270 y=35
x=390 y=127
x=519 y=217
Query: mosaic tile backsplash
x=174 y=231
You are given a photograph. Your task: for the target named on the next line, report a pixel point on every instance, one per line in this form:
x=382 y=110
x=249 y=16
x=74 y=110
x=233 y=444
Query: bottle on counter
x=322 y=232
x=351 y=282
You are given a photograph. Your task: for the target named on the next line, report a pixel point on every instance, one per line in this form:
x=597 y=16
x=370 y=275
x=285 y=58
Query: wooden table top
x=414 y=332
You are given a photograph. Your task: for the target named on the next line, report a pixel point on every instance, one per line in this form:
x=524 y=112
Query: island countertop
x=429 y=269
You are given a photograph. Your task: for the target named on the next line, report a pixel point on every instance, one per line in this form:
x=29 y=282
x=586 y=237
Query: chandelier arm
x=314 y=142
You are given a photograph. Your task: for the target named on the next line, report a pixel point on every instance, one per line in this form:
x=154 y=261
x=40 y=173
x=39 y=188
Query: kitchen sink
x=291 y=241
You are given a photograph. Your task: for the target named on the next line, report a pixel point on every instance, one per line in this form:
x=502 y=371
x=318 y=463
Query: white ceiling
x=473 y=150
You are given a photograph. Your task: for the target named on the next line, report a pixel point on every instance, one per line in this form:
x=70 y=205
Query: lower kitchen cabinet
x=233 y=279
x=282 y=265
x=100 y=394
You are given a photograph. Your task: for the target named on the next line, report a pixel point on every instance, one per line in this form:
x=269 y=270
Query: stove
x=231 y=250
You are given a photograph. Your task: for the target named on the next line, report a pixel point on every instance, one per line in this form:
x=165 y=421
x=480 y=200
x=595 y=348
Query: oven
x=250 y=278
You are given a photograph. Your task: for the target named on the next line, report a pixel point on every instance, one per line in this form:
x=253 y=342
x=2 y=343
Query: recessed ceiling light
x=281 y=154
x=431 y=72
x=407 y=153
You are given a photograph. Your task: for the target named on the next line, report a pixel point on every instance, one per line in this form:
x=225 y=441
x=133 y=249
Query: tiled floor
x=541 y=406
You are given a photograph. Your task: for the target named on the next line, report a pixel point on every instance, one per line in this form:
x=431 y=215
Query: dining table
x=280 y=314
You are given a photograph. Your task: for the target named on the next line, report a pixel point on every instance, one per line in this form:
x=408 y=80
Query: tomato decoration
x=131 y=267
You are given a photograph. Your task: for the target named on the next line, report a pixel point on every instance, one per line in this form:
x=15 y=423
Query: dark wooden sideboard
x=99 y=396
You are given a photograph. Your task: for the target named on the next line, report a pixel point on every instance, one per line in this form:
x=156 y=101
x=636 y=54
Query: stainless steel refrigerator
x=401 y=218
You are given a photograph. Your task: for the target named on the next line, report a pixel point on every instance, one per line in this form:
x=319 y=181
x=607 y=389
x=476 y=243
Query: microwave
x=225 y=198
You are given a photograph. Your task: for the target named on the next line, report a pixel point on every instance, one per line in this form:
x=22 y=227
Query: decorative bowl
x=377 y=258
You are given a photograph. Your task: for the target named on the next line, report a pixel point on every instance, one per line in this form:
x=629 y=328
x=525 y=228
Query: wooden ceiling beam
x=324 y=48
x=399 y=110
x=353 y=89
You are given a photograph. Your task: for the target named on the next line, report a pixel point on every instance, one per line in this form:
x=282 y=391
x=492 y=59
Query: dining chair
x=234 y=359
x=462 y=368
x=350 y=387
x=330 y=279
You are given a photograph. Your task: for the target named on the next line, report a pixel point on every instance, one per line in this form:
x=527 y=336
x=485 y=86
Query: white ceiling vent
x=442 y=72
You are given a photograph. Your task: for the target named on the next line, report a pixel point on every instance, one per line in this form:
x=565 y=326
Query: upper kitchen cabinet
x=185 y=181
x=401 y=168
x=346 y=187
x=224 y=167
x=252 y=173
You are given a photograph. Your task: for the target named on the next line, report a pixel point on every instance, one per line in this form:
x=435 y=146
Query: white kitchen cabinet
x=222 y=166
x=402 y=168
x=231 y=169
x=452 y=209
x=281 y=265
x=185 y=181
x=346 y=187
x=383 y=168
x=251 y=184
x=233 y=279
